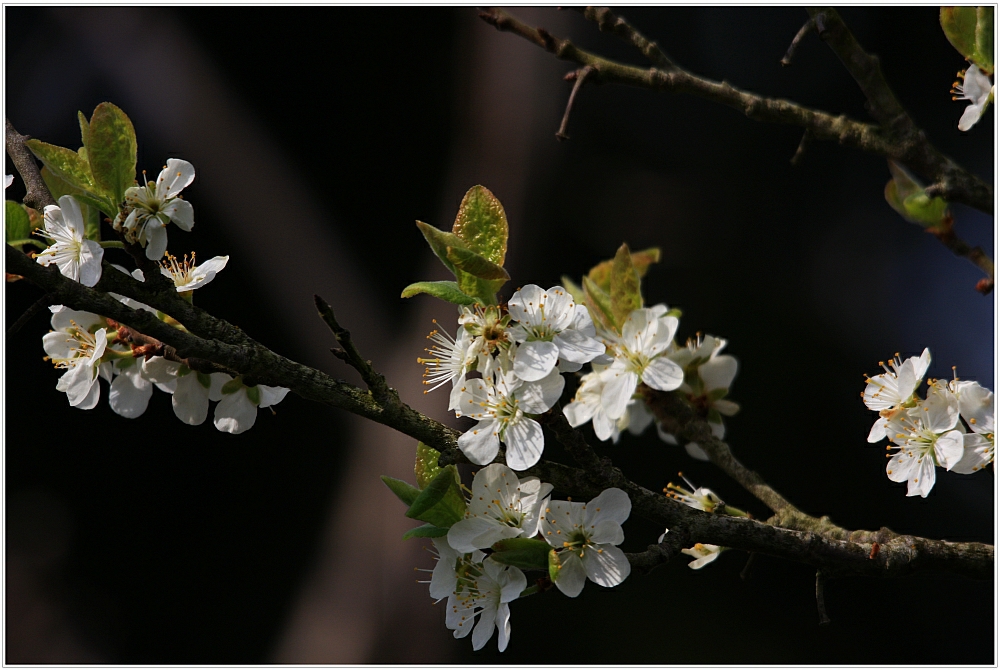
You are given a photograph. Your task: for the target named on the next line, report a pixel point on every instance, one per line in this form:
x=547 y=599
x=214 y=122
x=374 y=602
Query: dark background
x=150 y=541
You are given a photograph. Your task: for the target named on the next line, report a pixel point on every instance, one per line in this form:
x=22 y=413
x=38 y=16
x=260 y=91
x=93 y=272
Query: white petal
x=130 y=393
x=534 y=360
x=91 y=254
x=511 y=582
x=503 y=626
x=978 y=453
x=523 y=305
x=181 y=213
x=467 y=535
x=540 y=396
x=571 y=575
x=157 y=241
x=611 y=504
x=90 y=400
x=235 y=413
x=719 y=372
x=663 y=374
x=525 y=443
x=219 y=379
x=576 y=347
x=481 y=443
x=175 y=176
x=484 y=629
x=578 y=413
x=609 y=567
x=561 y=518
x=949 y=449
x=190 y=401
x=607 y=531
x=695 y=451
x=618 y=391
x=271 y=395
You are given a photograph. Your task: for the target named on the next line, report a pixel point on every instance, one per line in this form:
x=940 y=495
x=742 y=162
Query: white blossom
x=891 y=391
x=925 y=436
x=77 y=345
x=586 y=538
x=975 y=404
x=187 y=276
x=587 y=406
x=646 y=334
x=502 y=403
x=977 y=89
x=550 y=329
x=451 y=359
x=155 y=205
x=501 y=507
x=8 y=179
x=190 y=390
x=489 y=332
x=703 y=553
x=77 y=258
x=131 y=389
x=237 y=409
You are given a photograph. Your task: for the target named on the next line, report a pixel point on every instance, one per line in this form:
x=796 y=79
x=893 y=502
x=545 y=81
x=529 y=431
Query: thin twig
x=607 y=22
x=580 y=75
x=35 y=308
x=38 y=196
x=975 y=255
x=904 y=143
x=801 y=150
x=745 y=572
x=821 y=597
x=375 y=382
x=809 y=26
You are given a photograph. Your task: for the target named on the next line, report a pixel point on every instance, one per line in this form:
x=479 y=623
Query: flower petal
x=663 y=374
x=534 y=360
x=571 y=575
x=481 y=443
x=525 y=442
x=175 y=176
x=608 y=566
x=235 y=413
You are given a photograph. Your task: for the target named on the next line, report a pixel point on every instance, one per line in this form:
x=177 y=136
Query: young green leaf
x=522 y=552
x=625 y=295
x=403 y=491
x=111 y=149
x=427 y=530
x=16 y=221
x=574 y=289
x=601 y=273
x=84 y=129
x=598 y=304
x=482 y=224
x=445 y=290
x=441 y=503
x=439 y=242
x=970 y=31
x=426 y=466
x=65 y=164
x=469 y=261
x=90 y=206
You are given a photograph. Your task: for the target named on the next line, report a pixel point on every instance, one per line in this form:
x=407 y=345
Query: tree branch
x=607 y=22
x=38 y=196
x=818 y=543
x=897 y=140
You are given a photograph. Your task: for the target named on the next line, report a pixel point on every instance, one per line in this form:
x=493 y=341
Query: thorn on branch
x=801 y=150
x=820 y=597
x=809 y=26
x=579 y=76
x=35 y=308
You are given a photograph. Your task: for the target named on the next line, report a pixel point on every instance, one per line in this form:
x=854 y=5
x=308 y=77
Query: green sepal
x=717 y=394
x=554 y=565
x=441 y=502
x=253 y=394
x=427 y=530
x=598 y=304
x=426 y=467
x=970 y=31
x=232 y=386
x=641 y=260
x=445 y=290
x=403 y=491
x=522 y=552
x=203 y=379
x=713 y=416
x=111 y=150
x=674 y=312
x=482 y=224
x=439 y=242
x=906 y=195
x=574 y=289
x=16 y=221
x=625 y=295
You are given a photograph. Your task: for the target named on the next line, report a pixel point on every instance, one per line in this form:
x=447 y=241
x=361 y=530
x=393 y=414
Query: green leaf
x=554 y=565
x=441 y=503
x=522 y=552
x=111 y=149
x=426 y=467
x=427 y=530
x=574 y=289
x=970 y=31
x=598 y=304
x=439 y=242
x=64 y=164
x=625 y=295
x=445 y=290
x=16 y=221
x=403 y=491
x=482 y=224
x=601 y=273
x=474 y=264
x=90 y=206
x=906 y=195
x=84 y=129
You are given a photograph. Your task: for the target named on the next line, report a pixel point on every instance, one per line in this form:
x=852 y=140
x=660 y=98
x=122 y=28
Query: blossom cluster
x=88 y=347
x=521 y=351
x=583 y=537
x=952 y=427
